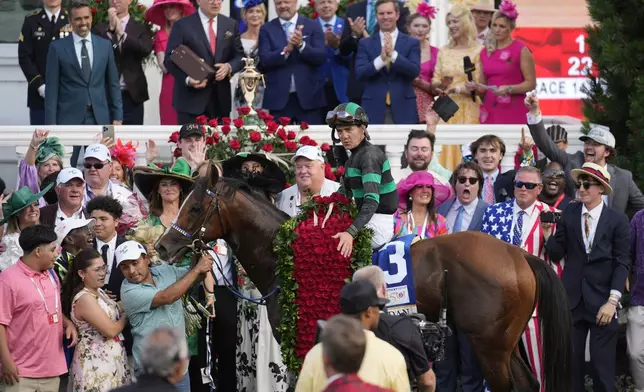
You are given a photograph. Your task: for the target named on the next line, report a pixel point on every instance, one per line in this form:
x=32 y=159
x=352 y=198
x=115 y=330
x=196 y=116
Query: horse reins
x=199 y=246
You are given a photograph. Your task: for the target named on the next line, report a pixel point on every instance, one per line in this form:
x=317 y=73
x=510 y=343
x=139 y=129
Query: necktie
x=85 y=67
x=211 y=36
x=459 y=220
x=287 y=27
x=488 y=192
x=371 y=23
x=53 y=26
x=104 y=250
x=518 y=229
x=388 y=66
x=587 y=229
x=327 y=26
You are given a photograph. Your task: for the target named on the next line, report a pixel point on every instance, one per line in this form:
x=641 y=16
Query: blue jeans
x=184 y=384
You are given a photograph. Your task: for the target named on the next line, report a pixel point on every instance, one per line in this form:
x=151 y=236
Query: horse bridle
x=198 y=245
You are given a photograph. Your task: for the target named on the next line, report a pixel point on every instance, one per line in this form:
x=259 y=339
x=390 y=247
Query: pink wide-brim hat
x=441 y=193
x=156 y=15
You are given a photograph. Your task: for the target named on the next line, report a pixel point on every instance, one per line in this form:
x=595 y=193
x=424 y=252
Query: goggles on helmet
x=334 y=117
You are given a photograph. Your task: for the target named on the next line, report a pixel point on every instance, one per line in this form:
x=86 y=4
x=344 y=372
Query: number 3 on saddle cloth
x=394 y=258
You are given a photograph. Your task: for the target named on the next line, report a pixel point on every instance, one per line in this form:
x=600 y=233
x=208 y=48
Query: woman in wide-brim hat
x=257 y=170
x=164 y=13
x=419 y=195
x=20 y=210
x=592 y=170
x=164 y=189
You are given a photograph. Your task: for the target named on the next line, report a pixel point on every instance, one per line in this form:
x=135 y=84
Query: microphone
x=468 y=67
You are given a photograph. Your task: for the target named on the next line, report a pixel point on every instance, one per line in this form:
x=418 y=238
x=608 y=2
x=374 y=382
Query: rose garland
x=312 y=272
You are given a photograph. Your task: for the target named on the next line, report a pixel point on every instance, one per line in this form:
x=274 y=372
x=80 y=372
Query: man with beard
x=554 y=184
x=419 y=154
x=599 y=146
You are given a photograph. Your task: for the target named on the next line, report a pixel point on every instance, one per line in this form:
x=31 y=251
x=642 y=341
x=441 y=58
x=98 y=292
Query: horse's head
x=199 y=219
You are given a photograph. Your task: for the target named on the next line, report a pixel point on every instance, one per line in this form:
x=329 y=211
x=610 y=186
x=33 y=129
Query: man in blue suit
x=335 y=70
x=82 y=79
x=214 y=38
x=388 y=63
x=291 y=50
x=463 y=213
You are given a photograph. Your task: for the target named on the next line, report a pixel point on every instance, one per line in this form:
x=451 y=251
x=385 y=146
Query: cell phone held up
x=550 y=216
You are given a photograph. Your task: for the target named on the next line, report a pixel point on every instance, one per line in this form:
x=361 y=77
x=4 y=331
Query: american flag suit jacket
x=497 y=221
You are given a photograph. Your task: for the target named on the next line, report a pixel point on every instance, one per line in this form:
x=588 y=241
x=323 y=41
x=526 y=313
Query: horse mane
x=235 y=185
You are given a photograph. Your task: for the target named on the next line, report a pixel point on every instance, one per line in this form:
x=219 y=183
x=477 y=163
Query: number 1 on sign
x=581 y=41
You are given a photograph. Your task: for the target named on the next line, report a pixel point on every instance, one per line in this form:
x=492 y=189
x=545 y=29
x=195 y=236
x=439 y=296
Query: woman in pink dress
x=164 y=13
x=508 y=71
x=418 y=26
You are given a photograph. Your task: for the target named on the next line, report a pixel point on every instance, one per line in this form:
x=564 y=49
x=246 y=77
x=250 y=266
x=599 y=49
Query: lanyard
x=559 y=200
x=411 y=225
x=42 y=296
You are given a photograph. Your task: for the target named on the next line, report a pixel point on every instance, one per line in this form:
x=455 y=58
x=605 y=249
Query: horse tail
x=556 y=326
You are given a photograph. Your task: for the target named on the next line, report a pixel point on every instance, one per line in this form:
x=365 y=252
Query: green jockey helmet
x=347 y=114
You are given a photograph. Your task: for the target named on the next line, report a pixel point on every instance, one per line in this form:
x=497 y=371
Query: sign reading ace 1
x=395 y=260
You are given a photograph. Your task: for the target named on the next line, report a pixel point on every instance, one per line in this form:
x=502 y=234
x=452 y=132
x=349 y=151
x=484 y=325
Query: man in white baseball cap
x=70 y=188
x=72 y=235
x=98 y=167
x=599 y=147
x=151 y=296
x=309 y=178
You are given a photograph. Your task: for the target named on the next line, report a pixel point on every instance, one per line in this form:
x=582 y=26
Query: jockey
x=367 y=178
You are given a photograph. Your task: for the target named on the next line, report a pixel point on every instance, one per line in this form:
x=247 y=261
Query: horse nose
x=162 y=251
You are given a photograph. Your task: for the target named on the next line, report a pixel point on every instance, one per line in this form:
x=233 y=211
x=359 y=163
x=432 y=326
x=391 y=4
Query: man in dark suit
x=462 y=214
x=361 y=23
x=40 y=28
x=132 y=43
x=388 y=63
x=291 y=51
x=82 y=80
x=70 y=189
x=335 y=70
x=599 y=146
x=594 y=239
x=215 y=38
x=488 y=151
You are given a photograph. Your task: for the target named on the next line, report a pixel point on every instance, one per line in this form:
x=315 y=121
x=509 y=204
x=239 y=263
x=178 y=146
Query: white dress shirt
x=378 y=62
x=595 y=213
x=78 y=46
x=221 y=262
x=61 y=216
x=331 y=22
x=49 y=14
x=468 y=214
x=480 y=37
x=110 y=254
x=529 y=219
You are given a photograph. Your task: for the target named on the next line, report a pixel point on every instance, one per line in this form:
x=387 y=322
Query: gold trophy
x=249 y=80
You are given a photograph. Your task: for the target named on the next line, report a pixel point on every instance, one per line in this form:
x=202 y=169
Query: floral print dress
x=99 y=364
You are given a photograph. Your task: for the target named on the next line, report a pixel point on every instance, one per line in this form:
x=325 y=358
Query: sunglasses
x=585 y=184
x=528 y=185
x=463 y=180
x=554 y=173
x=97 y=166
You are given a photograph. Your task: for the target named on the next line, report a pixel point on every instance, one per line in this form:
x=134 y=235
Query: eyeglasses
x=554 y=173
x=102 y=268
x=585 y=184
x=528 y=185
x=97 y=166
x=463 y=180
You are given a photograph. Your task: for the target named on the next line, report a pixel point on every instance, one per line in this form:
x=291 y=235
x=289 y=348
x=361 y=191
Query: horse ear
x=214 y=173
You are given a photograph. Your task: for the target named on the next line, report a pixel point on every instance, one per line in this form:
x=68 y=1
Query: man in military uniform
x=40 y=28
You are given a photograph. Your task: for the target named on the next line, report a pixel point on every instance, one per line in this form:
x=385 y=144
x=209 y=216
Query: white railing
x=392 y=136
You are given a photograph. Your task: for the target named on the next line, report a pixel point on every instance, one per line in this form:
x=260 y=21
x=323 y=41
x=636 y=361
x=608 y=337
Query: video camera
x=433 y=336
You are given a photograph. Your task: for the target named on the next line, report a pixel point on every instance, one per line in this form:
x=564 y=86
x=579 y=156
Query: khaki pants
x=49 y=384
x=635 y=344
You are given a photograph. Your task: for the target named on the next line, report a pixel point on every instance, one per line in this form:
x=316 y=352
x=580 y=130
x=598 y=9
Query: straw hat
x=147 y=178
x=483 y=5
x=156 y=15
x=440 y=194
x=19 y=200
x=595 y=171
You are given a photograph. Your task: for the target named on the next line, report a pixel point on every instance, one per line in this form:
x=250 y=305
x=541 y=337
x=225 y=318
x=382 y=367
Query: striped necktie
x=488 y=191
x=371 y=23
x=517 y=233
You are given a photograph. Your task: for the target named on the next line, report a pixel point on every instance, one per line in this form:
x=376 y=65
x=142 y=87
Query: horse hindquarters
x=555 y=326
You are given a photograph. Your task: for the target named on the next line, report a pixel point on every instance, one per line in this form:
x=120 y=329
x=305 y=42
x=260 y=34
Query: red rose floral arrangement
x=312 y=272
x=255 y=133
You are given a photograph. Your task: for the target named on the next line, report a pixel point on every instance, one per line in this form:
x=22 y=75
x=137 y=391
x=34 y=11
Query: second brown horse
x=492 y=287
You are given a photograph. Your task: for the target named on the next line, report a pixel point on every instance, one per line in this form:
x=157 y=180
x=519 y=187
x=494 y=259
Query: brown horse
x=492 y=287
